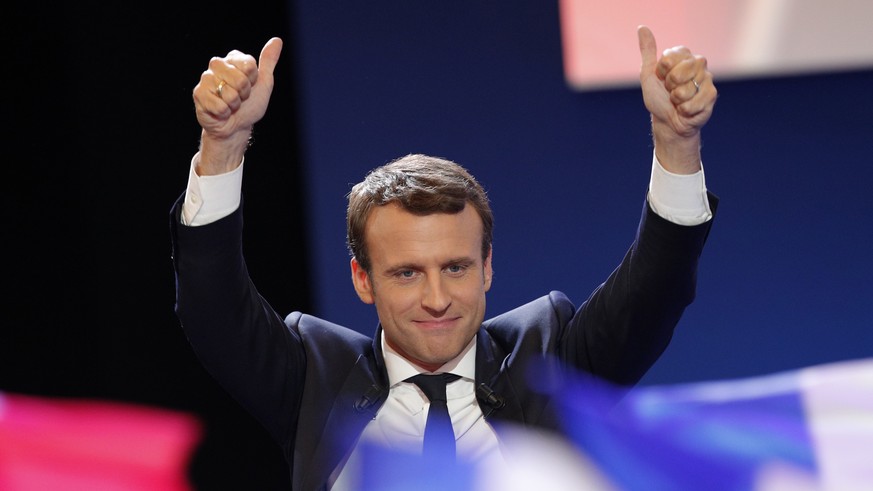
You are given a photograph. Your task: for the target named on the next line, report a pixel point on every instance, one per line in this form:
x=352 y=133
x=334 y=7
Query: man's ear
x=361 y=280
x=488 y=272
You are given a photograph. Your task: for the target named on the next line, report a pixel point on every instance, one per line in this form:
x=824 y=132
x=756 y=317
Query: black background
x=102 y=130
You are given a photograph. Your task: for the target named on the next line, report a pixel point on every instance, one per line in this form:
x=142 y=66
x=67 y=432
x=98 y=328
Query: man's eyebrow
x=461 y=260
x=402 y=267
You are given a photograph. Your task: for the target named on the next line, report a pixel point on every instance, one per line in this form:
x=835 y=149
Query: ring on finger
x=696 y=86
x=221 y=84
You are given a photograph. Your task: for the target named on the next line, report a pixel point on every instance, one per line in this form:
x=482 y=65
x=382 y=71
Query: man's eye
x=456 y=268
x=408 y=273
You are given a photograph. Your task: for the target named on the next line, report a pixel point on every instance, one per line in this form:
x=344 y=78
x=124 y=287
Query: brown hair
x=422 y=185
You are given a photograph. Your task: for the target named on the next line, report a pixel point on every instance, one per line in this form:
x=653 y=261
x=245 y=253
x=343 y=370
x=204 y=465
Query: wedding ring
x=222 y=83
x=696 y=86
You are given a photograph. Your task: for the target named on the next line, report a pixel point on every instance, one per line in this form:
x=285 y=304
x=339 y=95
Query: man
x=419 y=230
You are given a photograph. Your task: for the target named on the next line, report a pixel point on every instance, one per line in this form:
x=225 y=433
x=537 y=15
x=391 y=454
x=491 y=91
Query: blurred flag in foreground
x=809 y=429
x=804 y=430
x=63 y=444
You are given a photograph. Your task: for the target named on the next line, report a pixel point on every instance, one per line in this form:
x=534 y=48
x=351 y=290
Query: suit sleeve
x=626 y=324
x=240 y=340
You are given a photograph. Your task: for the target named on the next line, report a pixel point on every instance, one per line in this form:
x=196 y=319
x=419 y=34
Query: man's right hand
x=232 y=95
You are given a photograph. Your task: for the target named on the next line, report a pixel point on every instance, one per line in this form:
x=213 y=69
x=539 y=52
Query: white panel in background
x=740 y=38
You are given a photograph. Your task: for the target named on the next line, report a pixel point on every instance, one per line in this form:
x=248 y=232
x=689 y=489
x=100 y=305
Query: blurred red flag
x=65 y=444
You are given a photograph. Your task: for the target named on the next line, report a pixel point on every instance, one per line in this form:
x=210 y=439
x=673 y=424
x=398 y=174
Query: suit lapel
x=496 y=393
x=360 y=397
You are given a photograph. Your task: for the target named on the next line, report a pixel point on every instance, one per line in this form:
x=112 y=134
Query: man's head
x=420 y=230
x=421 y=185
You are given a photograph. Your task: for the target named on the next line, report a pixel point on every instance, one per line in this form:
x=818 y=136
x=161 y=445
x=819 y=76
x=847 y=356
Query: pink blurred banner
x=740 y=38
x=71 y=444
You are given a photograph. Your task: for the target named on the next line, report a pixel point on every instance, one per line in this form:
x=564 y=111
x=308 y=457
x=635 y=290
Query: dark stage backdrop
x=102 y=130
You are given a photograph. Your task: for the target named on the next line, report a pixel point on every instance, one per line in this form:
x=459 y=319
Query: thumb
x=648 y=49
x=270 y=56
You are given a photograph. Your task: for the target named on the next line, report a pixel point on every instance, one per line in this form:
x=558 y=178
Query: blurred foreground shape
x=72 y=444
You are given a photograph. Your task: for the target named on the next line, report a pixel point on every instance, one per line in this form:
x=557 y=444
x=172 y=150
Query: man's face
x=428 y=281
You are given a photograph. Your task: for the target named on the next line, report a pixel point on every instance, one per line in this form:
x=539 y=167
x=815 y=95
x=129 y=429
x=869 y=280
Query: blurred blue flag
x=805 y=430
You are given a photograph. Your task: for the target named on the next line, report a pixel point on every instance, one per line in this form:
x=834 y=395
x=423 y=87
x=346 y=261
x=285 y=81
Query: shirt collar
x=400 y=369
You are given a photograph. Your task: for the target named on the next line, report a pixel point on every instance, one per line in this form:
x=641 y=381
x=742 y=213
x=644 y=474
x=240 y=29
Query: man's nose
x=436 y=297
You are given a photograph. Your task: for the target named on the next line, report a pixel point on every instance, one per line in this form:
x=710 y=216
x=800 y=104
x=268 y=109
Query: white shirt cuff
x=679 y=198
x=210 y=198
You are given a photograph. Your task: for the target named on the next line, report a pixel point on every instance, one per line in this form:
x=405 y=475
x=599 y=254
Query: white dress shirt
x=399 y=424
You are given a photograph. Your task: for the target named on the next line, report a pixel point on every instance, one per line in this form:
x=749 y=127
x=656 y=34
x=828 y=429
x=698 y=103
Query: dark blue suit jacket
x=314 y=385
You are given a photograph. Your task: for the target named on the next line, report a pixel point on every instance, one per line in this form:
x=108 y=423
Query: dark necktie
x=439 y=437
